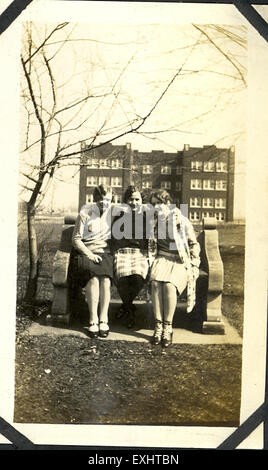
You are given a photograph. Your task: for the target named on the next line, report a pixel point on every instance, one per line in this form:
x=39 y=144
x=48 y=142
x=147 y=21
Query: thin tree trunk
x=31 y=288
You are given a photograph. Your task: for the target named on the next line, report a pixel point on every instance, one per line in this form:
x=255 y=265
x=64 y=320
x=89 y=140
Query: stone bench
x=207 y=313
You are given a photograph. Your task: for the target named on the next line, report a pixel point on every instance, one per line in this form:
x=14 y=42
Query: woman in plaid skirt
x=130 y=249
x=175 y=267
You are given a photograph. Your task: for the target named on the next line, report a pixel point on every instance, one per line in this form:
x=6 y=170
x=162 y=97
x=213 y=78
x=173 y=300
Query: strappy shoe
x=93 y=330
x=104 y=329
x=167 y=334
x=157 y=336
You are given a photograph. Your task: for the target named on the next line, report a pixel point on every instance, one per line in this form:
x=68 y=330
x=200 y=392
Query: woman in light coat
x=175 y=267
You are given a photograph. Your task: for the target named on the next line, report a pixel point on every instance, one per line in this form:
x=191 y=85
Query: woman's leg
x=92 y=291
x=158 y=309
x=128 y=288
x=157 y=300
x=104 y=302
x=170 y=303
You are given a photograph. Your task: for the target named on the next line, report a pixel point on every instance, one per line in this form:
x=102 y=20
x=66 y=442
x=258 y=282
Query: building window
x=92 y=163
x=178 y=186
x=208 y=202
x=209 y=166
x=178 y=170
x=104 y=180
x=89 y=198
x=116 y=181
x=194 y=216
x=207 y=214
x=220 y=203
x=92 y=181
x=208 y=184
x=146 y=184
x=117 y=198
x=165 y=170
x=195 y=202
x=165 y=184
x=104 y=163
x=220 y=216
x=221 y=185
x=196 y=184
x=147 y=169
x=135 y=168
x=116 y=163
x=221 y=166
x=196 y=166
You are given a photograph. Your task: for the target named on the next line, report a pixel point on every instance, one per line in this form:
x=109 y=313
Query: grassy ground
x=77 y=380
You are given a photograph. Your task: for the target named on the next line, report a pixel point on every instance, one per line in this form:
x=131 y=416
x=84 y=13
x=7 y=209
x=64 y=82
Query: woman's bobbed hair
x=130 y=190
x=101 y=191
x=162 y=195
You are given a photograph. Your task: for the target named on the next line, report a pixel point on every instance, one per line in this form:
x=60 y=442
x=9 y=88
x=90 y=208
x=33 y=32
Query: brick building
x=203 y=177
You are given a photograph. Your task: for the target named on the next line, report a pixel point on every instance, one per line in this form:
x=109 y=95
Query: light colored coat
x=187 y=246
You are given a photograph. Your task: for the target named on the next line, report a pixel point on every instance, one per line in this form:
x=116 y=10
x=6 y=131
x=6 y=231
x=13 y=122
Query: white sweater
x=92 y=230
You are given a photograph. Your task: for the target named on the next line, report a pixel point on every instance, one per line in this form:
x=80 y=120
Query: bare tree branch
x=31 y=56
x=26 y=187
x=52 y=83
x=36 y=110
x=231 y=35
x=227 y=57
x=30 y=177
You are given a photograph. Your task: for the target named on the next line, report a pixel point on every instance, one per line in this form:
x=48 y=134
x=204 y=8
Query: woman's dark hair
x=101 y=191
x=129 y=191
x=162 y=195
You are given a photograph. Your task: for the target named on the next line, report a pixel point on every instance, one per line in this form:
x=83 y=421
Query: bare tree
x=54 y=119
x=58 y=123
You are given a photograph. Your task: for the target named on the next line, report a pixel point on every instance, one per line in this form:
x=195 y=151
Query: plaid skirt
x=128 y=261
x=167 y=268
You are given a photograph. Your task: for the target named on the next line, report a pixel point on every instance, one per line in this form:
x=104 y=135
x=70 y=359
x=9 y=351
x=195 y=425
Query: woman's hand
x=95 y=258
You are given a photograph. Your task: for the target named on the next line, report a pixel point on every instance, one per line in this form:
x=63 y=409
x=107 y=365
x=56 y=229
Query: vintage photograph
x=131 y=224
x=134 y=277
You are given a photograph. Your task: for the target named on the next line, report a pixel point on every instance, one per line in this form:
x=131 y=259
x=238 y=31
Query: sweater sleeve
x=77 y=236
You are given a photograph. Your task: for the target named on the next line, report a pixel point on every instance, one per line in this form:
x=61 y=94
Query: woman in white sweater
x=93 y=262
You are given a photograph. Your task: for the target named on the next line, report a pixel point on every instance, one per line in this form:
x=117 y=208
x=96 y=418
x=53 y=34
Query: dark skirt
x=84 y=269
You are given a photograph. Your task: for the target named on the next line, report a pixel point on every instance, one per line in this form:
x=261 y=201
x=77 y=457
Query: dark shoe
x=93 y=330
x=121 y=312
x=157 y=336
x=130 y=312
x=167 y=334
x=131 y=320
x=104 y=332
